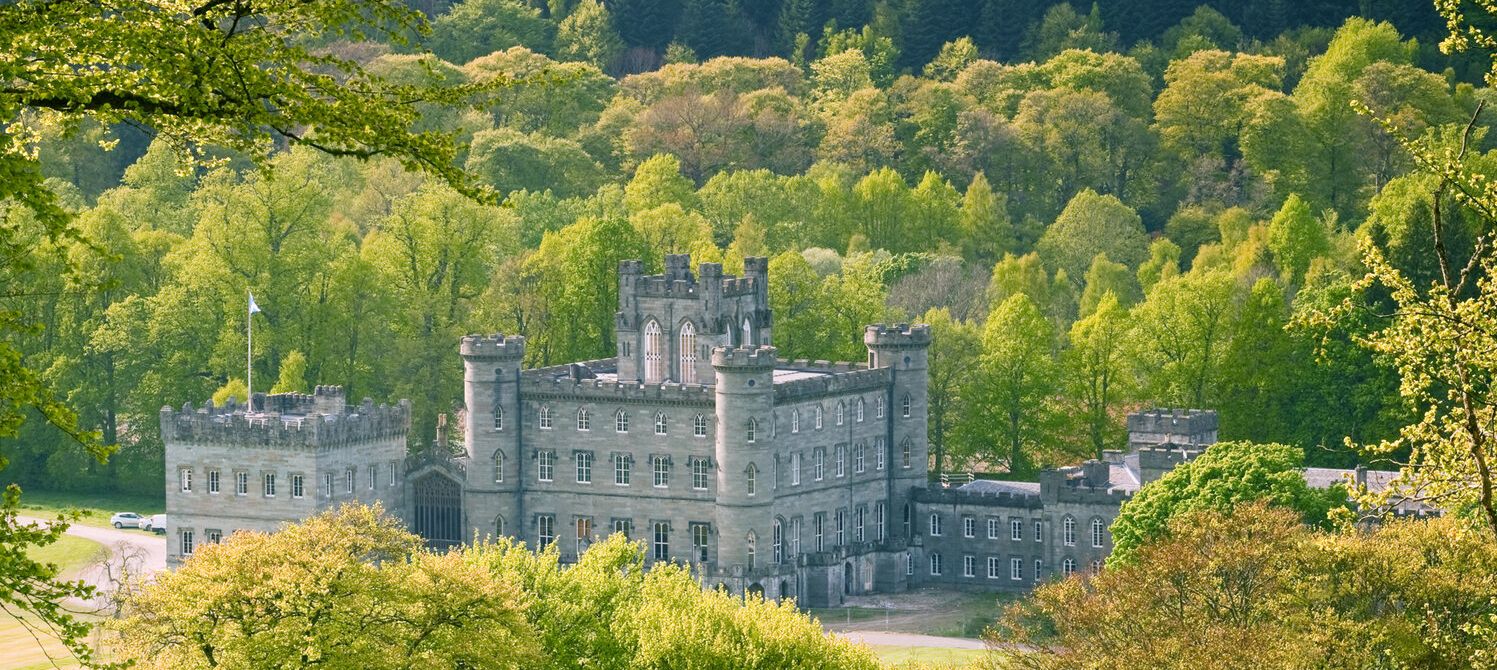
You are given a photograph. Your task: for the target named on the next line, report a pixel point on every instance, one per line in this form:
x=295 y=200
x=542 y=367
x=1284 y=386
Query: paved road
x=145 y=553
x=910 y=640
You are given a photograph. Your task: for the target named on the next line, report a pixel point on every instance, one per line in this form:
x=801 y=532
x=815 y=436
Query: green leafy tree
x=1093 y=224
x=474 y=28
x=1106 y=277
x=292 y=377
x=987 y=232
x=510 y=160
x=1097 y=374
x=1296 y=237
x=954 y=354
x=953 y=58
x=1228 y=474
x=658 y=181
x=587 y=35
x=1183 y=328
x=1016 y=379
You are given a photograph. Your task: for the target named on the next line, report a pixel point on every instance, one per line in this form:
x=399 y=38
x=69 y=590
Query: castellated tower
x=491 y=376
x=904 y=349
x=745 y=453
x=668 y=324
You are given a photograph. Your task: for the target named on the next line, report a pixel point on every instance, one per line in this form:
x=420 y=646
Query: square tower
x=668 y=324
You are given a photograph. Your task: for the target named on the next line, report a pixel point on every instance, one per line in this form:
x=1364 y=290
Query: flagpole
x=249 y=353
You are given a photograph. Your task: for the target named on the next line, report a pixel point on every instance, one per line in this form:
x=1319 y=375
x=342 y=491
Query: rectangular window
x=878 y=453
x=269 y=485
x=241 y=483
x=857 y=458
x=857 y=523
x=992 y=567
x=818 y=464
x=969 y=527
x=213 y=482
x=584 y=533
x=969 y=566
x=545 y=526
x=545 y=466
x=935 y=564
x=662 y=541
x=1038 y=565
x=214 y=536
x=795 y=469
x=904 y=453
x=394 y=474
x=841 y=461
x=1039 y=531
x=584 y=467
x=373 y=476
x=878 y=522
x=620 y=470
x=992 y=528
x=795 y=536
x=298 y=489
x=935 y=525
x=186 y=543
x=909 y=563
x=661 y=467
x=348 y=477
x=841 y=521
x=818 y=527
x=327 y=484
x=1015 y=530
x=699 y=534
x=625 y=526
x=185 y=475
x=1016 y=569
x=699 y=474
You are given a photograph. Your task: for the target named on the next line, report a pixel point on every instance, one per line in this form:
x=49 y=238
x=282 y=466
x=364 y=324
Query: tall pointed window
x=498 y=418
x=748 y=333
x=751 y=431
x=654 y=364
x=688 y=351
x=498 y=467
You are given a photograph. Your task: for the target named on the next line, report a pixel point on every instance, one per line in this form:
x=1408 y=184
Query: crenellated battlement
x=978 y=498
x=231 y=425
x=744 y=357
x=1172 y=427
x=612 y=390
x=841 y=381
x=498 y=345
x=897 y=335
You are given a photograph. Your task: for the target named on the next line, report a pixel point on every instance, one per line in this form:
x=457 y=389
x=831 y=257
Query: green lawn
x=930 y=611
x=70 y=554
x=927 y=657
x=96 y=507
x=30 y=649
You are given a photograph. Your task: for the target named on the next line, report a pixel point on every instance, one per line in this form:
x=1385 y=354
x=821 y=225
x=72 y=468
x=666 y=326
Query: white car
x=122 y=519
x=155 y=523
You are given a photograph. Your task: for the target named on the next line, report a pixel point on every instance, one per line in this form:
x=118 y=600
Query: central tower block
x=668 y=324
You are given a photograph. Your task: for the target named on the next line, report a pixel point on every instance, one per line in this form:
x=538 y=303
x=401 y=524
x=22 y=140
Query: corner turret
x=744 y=452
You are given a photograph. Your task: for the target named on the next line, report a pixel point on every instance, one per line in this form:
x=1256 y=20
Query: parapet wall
x=977 y=498
x=837 y=381
x=1173 y=421
x=229 y=425
x=493 y=346
x=897 y=335
x=758 y=358
x=611 y=390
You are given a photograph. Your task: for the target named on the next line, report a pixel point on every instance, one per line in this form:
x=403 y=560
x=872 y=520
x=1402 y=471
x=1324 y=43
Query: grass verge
x=69 y=553
x=95 y=507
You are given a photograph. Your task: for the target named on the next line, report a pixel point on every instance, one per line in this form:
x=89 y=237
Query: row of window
x=1016 y=529
x=783 y=546
x=546 y=420
x=187 y=538
x=839 y=460
x=269 y=481
x=994 y=565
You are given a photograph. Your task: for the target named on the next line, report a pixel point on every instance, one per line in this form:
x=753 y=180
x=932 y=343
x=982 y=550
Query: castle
x=803 y=479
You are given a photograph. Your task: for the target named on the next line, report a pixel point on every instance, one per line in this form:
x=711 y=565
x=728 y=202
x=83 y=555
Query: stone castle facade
x=803 y=479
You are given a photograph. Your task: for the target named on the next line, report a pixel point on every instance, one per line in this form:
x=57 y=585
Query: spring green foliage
x=1250 y=586
x=352 y=588
x=1228 y=474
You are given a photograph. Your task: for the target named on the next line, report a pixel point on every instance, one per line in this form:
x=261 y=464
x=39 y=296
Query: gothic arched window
x=688 y=351
x=499 y=468
x=621 y=421
x=498 y=418
x=654 y=364
x=748 y=333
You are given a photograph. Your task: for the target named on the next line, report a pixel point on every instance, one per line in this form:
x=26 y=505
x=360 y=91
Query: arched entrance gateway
x=755 y=589
x=847 y=578
x=437 y=510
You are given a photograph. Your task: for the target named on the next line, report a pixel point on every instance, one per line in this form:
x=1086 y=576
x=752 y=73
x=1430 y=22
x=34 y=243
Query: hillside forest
x=1094 y=212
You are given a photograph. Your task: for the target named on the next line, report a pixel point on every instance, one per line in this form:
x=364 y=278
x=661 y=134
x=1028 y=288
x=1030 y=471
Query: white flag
x=253 y=307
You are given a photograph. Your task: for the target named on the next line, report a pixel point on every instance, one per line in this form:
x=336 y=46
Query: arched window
x=840 y=411
x=584 y=419
x=1068 y=531
x=654 y=363
x=1067 y=567
x=688 y=353
x=795 y=421
x=660 y=423
x=752 y=540
x=904 y=405
x=935 y=525
x=699 y=425
x=545 y=418
x=751 y=478
x=878 y=407
x=748 y=333
x=751 y=430
x=904 y=452
x=499 y=526
x=858 y=415
x=779 y=541
x=498 y=418
x=1096 y=567
x=498 y=467
x=621 y=421
x=1097 y=532
x=818 y=417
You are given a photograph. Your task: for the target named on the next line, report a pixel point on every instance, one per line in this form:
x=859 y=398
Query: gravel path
x=137 y=552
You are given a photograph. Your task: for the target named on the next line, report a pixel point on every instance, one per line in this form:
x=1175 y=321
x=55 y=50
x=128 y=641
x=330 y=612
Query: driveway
x=883 y=638
x=133 y=553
